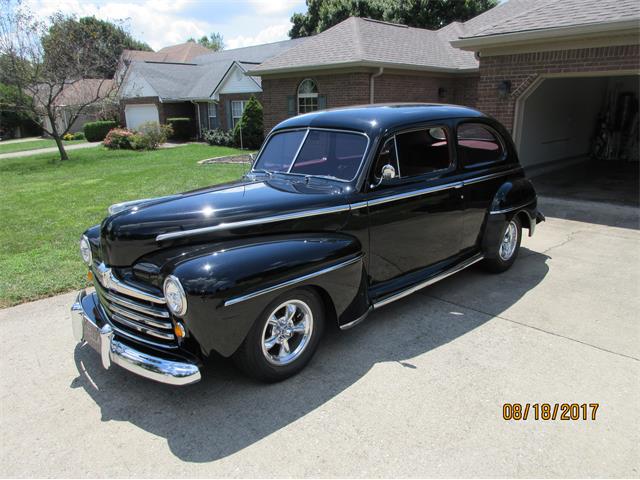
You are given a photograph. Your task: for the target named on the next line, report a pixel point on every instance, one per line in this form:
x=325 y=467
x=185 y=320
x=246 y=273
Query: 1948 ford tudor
x=342 y=212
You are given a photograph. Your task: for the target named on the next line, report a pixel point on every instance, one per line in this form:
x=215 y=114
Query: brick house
x=545 y=67
x=211 y=88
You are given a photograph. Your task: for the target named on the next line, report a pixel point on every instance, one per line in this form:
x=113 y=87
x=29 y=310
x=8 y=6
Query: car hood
x=130 y=234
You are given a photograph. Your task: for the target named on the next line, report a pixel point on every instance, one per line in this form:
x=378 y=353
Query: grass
x=33 y=145
x=45 y=205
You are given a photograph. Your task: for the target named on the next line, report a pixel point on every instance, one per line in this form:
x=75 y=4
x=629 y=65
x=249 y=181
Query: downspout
x=198 y=118
x=372 y=82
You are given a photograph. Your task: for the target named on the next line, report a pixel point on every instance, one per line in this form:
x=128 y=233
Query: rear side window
x=423 y=151
x=478 y=144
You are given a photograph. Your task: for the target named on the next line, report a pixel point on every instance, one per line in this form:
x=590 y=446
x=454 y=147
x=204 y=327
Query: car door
x=414 y=218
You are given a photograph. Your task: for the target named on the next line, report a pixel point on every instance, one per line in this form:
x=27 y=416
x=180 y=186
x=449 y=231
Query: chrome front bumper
x=113 y=351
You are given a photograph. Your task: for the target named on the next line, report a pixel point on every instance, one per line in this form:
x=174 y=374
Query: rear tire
x=502 y=255
x=283 y=338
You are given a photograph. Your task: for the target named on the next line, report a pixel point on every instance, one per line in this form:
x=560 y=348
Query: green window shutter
x=322 y=102
x=291 y=105
x=229 y=115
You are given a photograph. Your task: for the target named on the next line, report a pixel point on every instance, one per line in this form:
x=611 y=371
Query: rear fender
x=228 y=288
x=514 y=198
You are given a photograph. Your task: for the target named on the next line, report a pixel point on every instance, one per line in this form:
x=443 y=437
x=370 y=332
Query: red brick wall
x=225 y=98
x=353 y=89
x=523 y=69
x=340 y=90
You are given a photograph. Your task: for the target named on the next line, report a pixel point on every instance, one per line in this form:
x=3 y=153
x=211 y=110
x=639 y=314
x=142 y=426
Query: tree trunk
x=63 y=152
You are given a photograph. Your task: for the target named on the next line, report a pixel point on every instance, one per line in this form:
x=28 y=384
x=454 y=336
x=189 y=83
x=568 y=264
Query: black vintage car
x=343 y=212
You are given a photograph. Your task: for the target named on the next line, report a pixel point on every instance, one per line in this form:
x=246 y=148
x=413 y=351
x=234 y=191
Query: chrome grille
x=142 y=317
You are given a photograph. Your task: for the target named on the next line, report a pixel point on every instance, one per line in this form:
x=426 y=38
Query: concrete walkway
x=22 y=140
x=28 y=153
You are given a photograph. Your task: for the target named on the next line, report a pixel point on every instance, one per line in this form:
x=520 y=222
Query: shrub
x=152 y=135
x=78 y=136
x=118 y=138
x=97 y=131
x=67 y=136
x=218 y=137
x=181 y=127
x=251 y=125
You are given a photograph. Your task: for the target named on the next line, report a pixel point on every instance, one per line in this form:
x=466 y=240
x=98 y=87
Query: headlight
x=174 y=295
x=85 y=250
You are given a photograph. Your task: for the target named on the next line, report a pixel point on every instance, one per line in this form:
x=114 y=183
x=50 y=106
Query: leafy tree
x=108 y=40
x=213 y=42
x=43 y=70
x=430 y=14
x=248 y=132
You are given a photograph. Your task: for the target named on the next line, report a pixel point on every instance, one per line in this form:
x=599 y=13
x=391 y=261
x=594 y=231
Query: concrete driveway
x=415 y=391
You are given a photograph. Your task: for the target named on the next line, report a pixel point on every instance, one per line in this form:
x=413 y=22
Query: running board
x=431 y=281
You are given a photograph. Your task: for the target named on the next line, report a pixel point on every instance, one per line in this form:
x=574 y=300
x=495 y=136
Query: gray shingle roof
x=544 y=14
x=361 y=41
x=198 y=79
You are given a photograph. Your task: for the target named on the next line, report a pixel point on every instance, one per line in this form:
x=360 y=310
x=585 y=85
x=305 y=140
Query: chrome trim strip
x=511 y=209
x=327 y=210
x=355 y=322
x=295 y=157
x=250 y=223
x=414 y=193
x=136 y=317
x=131 y=305
x=293 y=281
x=114 y=351
x=426 y=283
x=108 y=280
x=491 y=176
x=141 y=328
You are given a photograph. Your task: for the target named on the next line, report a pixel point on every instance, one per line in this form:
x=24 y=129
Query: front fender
x=228 y=287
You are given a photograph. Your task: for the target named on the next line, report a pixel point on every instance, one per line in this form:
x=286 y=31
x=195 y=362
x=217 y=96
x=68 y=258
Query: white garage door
x=138 y=114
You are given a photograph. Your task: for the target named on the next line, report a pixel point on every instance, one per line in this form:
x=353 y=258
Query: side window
x=387 y=156
x=423 y=151
x=478 y=144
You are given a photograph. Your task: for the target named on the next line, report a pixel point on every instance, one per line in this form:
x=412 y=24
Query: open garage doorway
x=577 y=138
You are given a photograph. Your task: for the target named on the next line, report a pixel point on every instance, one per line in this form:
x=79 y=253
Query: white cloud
x=161 y=23
x=269 y=34
x=155 y=22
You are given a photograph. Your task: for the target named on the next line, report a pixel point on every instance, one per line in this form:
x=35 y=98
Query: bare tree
x=55 y=74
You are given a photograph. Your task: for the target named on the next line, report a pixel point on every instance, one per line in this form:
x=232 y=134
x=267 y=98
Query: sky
x=161 y=23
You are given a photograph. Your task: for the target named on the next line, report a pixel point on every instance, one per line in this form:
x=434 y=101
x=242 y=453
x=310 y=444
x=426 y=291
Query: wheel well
x=329 y=307
x=525 y=221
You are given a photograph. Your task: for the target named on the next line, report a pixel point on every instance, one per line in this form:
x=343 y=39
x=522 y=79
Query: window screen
x=423 y=151
x=478 y=144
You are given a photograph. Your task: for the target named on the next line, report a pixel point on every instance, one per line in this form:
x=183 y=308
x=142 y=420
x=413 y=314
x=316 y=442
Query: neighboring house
x=511 y=62
x=211 y=89
x=98 y=93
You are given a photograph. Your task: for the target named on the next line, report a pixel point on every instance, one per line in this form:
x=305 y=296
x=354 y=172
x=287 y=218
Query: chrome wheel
x=287 y=332
x=509 y=241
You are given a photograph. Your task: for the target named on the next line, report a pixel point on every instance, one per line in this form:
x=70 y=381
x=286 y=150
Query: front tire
x=284 y=338
x=503 y=255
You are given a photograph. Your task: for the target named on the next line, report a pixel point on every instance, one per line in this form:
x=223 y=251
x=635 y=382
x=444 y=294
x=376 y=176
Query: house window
x=237 y=107
x=307 y=96
x=213 y=115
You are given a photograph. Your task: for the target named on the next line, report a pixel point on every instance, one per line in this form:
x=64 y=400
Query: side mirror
x=387 y=173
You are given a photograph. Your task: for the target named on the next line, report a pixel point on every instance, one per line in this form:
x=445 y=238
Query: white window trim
x=243 y=104
x=306 y=95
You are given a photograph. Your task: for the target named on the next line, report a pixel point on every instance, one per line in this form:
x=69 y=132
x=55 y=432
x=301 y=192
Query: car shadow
x=226 y=412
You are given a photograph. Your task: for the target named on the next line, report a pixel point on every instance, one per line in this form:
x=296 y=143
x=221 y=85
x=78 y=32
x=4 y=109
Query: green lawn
x=45 y=205
x=32 y=145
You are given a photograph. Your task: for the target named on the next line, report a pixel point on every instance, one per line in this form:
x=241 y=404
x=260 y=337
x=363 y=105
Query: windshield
x=323 y=153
